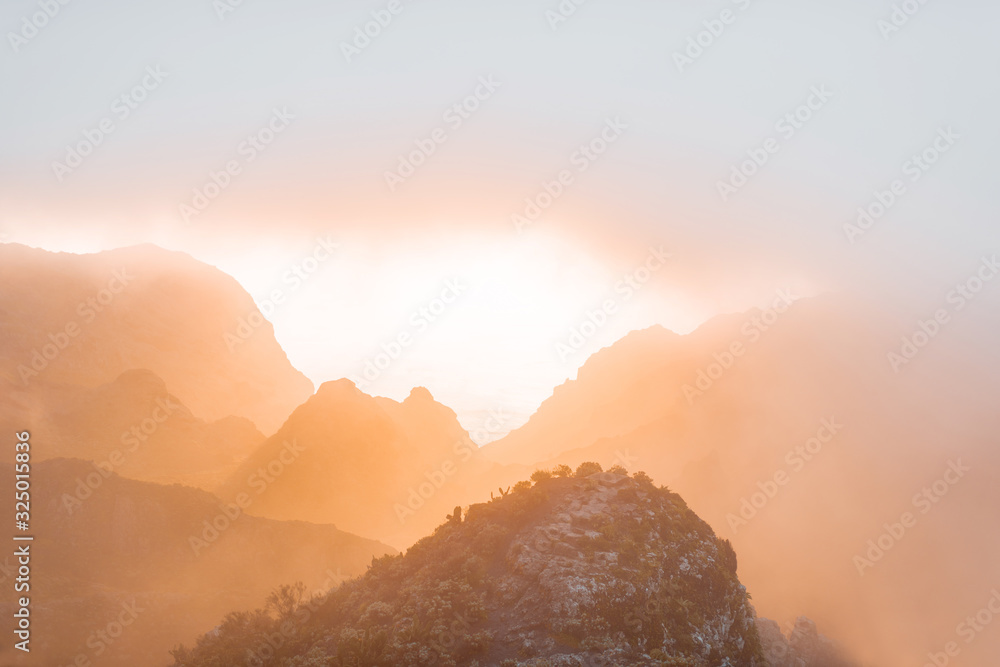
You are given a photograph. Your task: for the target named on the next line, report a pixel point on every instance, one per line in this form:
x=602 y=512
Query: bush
x=643 y=478
x=588 y=468
x=562 y=470
x=618 y=470
x=539 y=475
x=283 y=601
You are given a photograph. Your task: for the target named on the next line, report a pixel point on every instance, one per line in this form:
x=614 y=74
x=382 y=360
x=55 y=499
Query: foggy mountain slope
x=142 y=307
x=822 y=372
x=353 y=460
x=649 y=375
x=599 y=568
x=158 y=549
x=574 y=411
x=135 y=427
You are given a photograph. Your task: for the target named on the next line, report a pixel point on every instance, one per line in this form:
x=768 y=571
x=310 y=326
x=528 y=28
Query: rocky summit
x=592 y=568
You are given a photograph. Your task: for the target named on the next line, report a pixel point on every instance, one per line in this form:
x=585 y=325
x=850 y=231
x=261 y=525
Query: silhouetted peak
x=148 y=307
x=338 y=389
x=421 y=394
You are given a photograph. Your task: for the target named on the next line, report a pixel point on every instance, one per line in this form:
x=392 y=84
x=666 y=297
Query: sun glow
x=478 y=320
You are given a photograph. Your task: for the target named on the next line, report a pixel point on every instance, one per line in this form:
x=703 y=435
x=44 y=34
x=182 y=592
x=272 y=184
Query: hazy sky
x=208 y=79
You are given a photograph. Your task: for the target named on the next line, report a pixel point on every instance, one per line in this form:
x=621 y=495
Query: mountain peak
x=145 y=307
x=341 y=387
x=421 y=394
x=605 y=568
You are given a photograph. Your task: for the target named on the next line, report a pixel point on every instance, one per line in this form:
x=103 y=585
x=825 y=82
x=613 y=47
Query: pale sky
x=219 y=80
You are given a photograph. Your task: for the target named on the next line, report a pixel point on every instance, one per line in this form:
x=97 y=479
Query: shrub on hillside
x=588 y=468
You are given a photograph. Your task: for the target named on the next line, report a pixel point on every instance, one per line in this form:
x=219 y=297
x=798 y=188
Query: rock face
x=86 y=319
x=596 y=570
x=804 y=647
x=614 y=563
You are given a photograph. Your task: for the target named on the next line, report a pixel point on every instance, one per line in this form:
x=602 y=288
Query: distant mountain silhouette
x=135 y=427
x=176 y=554
x=86 y=319
x=374 y=466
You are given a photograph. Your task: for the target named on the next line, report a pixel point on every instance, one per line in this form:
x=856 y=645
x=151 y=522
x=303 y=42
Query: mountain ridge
x=141 y=307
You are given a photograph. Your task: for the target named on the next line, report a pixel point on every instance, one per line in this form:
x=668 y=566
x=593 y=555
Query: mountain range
x=790 y=431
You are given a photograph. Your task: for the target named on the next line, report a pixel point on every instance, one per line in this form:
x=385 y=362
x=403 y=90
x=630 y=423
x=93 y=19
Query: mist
x=554 y=218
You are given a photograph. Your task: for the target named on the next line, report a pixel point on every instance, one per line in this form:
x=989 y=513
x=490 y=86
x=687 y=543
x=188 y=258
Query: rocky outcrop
x=597 y=570
x=622 y=571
